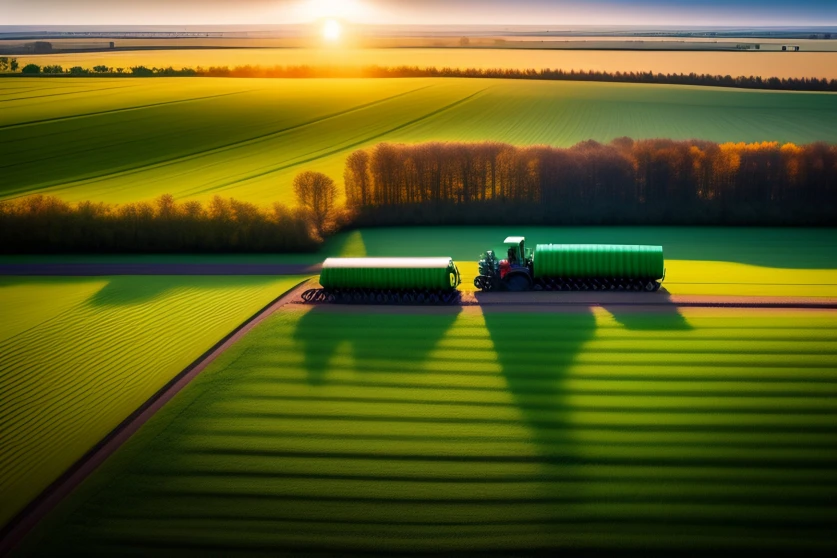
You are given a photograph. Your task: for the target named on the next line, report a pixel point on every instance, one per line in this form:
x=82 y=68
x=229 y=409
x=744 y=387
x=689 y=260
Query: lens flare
x=332 y=30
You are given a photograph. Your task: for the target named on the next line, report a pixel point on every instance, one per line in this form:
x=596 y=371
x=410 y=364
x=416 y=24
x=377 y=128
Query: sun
x=332 y=30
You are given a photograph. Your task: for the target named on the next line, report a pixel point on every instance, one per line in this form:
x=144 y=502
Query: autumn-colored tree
x=357 y=180
x=626 y=181
x=47 y=224
x=316 y=194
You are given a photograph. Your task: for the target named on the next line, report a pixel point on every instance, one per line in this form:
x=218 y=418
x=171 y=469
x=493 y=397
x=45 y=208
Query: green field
x=78 y=355
x=699 y=260
x=121 y=140
x=484 y=429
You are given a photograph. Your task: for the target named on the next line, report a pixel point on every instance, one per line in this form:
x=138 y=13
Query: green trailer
x=582 y=261
x=549 y=267
x=387 y=280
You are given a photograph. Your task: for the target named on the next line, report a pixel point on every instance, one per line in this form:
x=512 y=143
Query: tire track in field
x=342 y=148
x=123 y=109
x=205 y=153
x=66 y=93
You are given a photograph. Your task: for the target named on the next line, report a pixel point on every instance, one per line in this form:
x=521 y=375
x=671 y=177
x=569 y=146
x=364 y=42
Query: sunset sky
x=547 y=12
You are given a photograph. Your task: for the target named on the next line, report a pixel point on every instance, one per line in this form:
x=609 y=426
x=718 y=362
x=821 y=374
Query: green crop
x=121 y=140
x=78 y=355
x=607 y=429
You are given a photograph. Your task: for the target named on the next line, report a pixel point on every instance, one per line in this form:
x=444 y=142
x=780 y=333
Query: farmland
x=453 y=429
x=123 y=140
x=699 y=261
x=530 y=55
x=78 y=355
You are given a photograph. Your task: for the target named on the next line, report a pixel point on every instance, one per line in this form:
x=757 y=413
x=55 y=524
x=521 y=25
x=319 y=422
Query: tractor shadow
x=538 y=349
x=661 y=314
x=384 y=338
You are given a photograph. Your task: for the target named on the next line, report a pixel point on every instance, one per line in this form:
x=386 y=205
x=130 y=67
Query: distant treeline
x=44 y=224
x=644 y=182
x=744 y=82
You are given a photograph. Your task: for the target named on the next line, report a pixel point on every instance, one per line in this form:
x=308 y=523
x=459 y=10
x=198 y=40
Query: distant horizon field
x=126 y=140
x=734 y=63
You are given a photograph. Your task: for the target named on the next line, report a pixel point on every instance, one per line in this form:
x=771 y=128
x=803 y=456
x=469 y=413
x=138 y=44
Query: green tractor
x=571 y=267
x=515 y=273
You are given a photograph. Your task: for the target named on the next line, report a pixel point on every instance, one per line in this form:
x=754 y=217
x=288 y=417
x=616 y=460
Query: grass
x=77 y=356
x=121 y=140
x=604 y=430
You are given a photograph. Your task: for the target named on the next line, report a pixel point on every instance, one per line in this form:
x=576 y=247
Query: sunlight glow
x=332 y=30
x=343 y=9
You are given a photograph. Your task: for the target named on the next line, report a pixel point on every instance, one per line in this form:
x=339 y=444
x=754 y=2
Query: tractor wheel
x=517 y=283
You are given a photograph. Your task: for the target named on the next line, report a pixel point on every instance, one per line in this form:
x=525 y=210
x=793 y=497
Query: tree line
x=248 y=71
x=641 y=182
x=625 y=182
x=46 y=224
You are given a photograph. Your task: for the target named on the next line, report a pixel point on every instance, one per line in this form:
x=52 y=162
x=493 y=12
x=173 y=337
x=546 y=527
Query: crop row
x=447 y=430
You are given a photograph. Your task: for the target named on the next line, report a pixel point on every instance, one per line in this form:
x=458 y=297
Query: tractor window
x=512 y=257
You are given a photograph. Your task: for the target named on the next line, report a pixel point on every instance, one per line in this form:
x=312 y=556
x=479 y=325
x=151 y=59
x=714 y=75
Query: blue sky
x=546 y=12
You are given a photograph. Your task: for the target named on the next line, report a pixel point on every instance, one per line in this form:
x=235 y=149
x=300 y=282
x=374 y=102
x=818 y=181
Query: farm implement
x=549 y=267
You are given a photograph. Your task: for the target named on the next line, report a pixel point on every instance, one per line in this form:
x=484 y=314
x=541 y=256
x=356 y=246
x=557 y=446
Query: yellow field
x=765 y=64
x=78 y=355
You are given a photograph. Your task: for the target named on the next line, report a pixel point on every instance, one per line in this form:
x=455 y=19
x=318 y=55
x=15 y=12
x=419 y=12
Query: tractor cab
x=518 y=255
x=512 y=274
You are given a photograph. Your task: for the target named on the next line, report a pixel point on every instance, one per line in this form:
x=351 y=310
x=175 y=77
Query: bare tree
x=316 y=193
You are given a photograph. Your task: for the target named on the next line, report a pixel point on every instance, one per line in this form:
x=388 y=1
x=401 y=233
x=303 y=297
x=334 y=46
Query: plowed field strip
x=59 y=95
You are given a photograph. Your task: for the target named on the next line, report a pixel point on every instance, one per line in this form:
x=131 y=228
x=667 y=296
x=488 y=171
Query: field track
x=468 y=298
x=15 y=530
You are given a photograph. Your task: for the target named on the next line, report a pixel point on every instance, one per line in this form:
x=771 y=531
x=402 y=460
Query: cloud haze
x=546 y=12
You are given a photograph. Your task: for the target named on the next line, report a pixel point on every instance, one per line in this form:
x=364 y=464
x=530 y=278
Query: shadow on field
x=663 y=315
x=536 y=350
x=395 y=339
x=131 y=289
